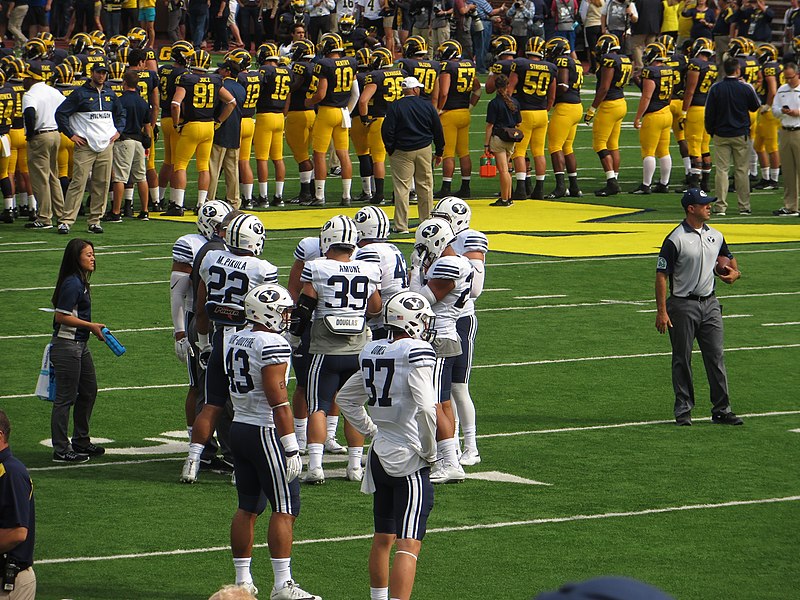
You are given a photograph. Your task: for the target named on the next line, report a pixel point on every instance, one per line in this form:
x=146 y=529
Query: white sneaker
x=190 y=469
x=355 y=473
x=470 y=457
x=292 y=591
x=249 y=586
x=333 y=447
x=233 y=478
x=313 y=476
x=447 y=473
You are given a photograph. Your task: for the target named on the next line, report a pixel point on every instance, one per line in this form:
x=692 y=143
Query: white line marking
x=119 y=252
x=157 y=258
x=21 y=243
x=498 y=476
x=539 y=297
x=780 y=324
x=50 y=287
x=794 y=431
x=112 y=389
x=497 y=290
x=735 y=316
x=47 y=335
x=474 y=527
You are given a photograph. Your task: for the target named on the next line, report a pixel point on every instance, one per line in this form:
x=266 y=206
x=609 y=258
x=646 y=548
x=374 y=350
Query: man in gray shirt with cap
x=690 y=257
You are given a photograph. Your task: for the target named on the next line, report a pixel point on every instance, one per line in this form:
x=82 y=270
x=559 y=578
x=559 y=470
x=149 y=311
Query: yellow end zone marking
x=580 y=234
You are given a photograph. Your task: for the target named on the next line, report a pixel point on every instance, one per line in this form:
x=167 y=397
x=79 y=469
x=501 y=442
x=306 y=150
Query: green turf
x=742 y=552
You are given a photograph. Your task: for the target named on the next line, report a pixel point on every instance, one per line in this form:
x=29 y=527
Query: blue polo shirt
x=137 y=113
x=17 y=508
x=733 y=101
x=230 y=131
x=73 y=299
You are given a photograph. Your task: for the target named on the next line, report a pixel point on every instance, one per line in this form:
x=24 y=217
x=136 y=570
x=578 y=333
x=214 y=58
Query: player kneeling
x=265 y=451
x=396 y=382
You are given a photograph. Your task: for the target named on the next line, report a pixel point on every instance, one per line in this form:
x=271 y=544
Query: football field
x=583 y=471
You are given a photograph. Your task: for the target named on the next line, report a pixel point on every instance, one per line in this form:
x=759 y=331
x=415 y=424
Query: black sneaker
x=559 y=192
x=377 y=200
x=659 y=188
x=642 y=189
x=63 y=229
x=216 y=465
x=173 y=210
x=38 y=225
x=70 y=457
x=412 y=197
x=762 y=185
x=315 y=202
x=575 y=192
x=785 y=212
x=90 y=449
x=261 y=202
x=746 y=212
x=684 y=420
x=501 y=202
x=110 y=217
x=772 y=185
x=345 y=202
x=364 y=197
x=24 y=211
x=277 y=202
x=127 y=211
x=726 y=419
x=143 y=216
x=335 y=172
x=156 y=207
x=95 y=229
x=611 y=189
x=7 y=216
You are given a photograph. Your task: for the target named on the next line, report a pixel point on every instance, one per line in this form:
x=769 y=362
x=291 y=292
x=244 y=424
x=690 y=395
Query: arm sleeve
x=68 y=295
x=667 y=257
x=180 y=287
x=478 y=277
x=354 y=94
x=420 y=380
x=387 y=129
x=724 y=251
x=29 y=117
x=351 y=399
x=120 y=116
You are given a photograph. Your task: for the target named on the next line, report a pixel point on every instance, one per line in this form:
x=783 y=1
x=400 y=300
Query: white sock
x=247 y=190
x=366 y=186
x=22 y=199
x=379 y=593
x=347 y=184
x=279 y=188
x=127 y=194
x=263 y=188
x=319 y=189
x=242 y=566
x=331 y=423
x=162 y=193
x=306 y=176
x=8 y=203
x=616 y=174
x=201 y=197
x=774 y=174
x=764 y=172
x=610 y=175
x=300 y=428
x=155 y=194
x=575 y=174
x=753 y=159
x=648 y=169
x=177 y=196
x=282 y=571
x=687 y=164
x=664 y=168
x=540 y=178
x=354 y=454
x=315 y=456
x=520 y=176
x=466 y=412
x=447 y=179
x=32 y=203
x=447 y=450
x=195 y=450
x=371 y=184
x=189 y=431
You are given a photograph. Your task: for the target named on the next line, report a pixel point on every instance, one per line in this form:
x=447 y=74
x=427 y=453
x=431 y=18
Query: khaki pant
x=25 y=586
x=732 y=152
x=15 y=24
x=789 y=149
x=638 y=43
x=43 y=168
x=416 y=165
x=86 y=162
x=224 y=160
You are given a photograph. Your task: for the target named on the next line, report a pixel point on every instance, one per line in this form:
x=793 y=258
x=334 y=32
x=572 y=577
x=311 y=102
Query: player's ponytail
x=501 y=86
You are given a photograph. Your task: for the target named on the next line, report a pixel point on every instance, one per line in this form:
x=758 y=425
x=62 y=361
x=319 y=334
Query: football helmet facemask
x=535 y=46
x=449 y=50
x=504 y=44
x=137 y=37
x=380 y=58
x=606 y=43
x=432 y=237
x=766 y=53
x=556 y=47
x=415 y=46
x=702 y=46
x=210 y=216
x=330 y=43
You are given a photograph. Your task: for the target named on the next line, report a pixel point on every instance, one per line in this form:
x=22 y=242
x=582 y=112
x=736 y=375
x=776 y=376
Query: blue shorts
x=327 y=375
x=443 y=377
x=301 y=359
x=147 y=15
x=467 y=328
x=260 y=467
x=217 y=385
x=401 y=505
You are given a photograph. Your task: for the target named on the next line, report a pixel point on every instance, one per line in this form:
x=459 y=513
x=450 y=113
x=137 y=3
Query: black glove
x=147 y=141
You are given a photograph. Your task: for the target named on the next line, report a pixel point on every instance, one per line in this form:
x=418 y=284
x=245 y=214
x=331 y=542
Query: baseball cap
x=608 y=588
x=100 y=66
x=696 y=196
x=410 y=83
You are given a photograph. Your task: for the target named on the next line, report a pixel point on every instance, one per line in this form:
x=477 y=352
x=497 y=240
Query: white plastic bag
x=46 y=383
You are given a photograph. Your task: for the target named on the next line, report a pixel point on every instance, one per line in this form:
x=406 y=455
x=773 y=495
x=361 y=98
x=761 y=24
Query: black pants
x=84 y=16
x=249 y=26
x=317 y=26
x=219 y=25
x=76 y=389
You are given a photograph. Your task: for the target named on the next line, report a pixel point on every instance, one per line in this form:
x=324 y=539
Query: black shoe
x=463 y=192
x=260 y=202
x=24 y=211
x=277 y=202
x=412 y=197
x=110 y=217
x=69 y=457
x=127 y=210
x=89 y=450
x=559 y=192
x=247 y=205
x=345 y=202
x=335 y=172
x=173 y=210
x=754 y=178
x=304 y=198
x=611 y=189
x=501 y=202
x=746 y=212
x=82 y=211
x=143 y=216
x=377 y=200
x=38 y=225
x=538 y=190
x=772 y=185
x=316 y=202
x=63 y=229
x=659 y=188
x=684 y=419
x=762 y=185
x=364 y=197
x=726 y=419
x=574 y=191
x=7 y=216
x=216 y=465
x=443 y=192
x=156 y=207
x=95 y=229
x=642 y=189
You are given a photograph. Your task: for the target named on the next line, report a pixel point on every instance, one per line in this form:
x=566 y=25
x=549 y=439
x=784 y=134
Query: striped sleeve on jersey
x=182 y=252
x=476 y=242
x=368 y=255
x=306 y=276
x=300 y=252
x=271 y=275
x=422 y=357
x=443 y=271
x=276 y=354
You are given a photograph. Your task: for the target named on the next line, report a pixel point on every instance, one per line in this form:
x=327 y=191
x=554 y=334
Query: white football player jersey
x=388 y=372
x=184 y=251
x=345 y=7
x=470 y=240
x=308 y=249
x=343 y=288
x=246 y=352
x=228 y=276
x=394 y=272
x=448 y=309
x=370 y=9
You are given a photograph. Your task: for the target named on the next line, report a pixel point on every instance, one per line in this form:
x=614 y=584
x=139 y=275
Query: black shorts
x=327 y=375
x=301 y=359
x=467 y=328
x=37 y=15
x=260 y=467
x=376 y=23
x=402 y=21
x=443 y=377
x=401 y=505
x=217 y=385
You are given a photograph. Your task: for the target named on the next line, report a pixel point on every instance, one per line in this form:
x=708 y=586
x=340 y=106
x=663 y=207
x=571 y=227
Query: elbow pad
x=180 y=286
x=478 y=277
x=301 y=315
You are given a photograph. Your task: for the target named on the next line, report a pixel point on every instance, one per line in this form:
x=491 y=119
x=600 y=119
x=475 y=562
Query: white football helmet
x=412 y=313
x=340 y=231
x=246 y=232
x=372 y=224
x=210 y=215
x=455 y=210
x=432 y=237
x=269 y=304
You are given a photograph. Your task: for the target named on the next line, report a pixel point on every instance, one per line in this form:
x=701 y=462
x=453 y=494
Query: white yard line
x=47 y=335
x=50 y=287
x=736 y=316
x=539 y=297
x=473 y=527
x=21 y=243
x=780 y=324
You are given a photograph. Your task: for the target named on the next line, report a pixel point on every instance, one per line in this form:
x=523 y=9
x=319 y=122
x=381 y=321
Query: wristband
x=289 y=443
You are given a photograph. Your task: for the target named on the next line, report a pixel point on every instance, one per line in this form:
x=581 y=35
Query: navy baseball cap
x=99 y=66
x=696 y=196
x=608 y=588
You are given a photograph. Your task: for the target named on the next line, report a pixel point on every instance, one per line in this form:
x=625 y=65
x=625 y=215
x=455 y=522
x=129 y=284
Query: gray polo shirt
x=689 y=258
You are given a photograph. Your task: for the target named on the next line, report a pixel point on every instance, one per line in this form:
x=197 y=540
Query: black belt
x=38 y=131
x=696 y=297
x=791 y=128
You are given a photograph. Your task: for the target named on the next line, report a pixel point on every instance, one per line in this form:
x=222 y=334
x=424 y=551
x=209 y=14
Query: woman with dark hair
x=76 y=383
x=502 y=112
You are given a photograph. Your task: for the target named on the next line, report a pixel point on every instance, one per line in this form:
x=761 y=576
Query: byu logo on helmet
x=360 y=217
x=430 y=231
x=269 y=296
x=258 y=228
x=413 y=303
x=459 y=208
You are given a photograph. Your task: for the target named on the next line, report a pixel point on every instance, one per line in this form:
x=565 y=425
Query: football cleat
x=249 y=586
x=470 y=457
x=313 y=477
x=334 y=447
x=355 y=473
x=292 y=591
x=190 y=469
x=447 y=473
x=173 y=210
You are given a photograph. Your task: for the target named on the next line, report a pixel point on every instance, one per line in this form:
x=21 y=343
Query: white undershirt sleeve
x=180 y=287
x=420 y=381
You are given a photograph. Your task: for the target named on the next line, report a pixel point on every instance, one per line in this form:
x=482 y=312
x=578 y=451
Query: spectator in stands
x=724 y=28
x=592 y=28
x=565 y=13
x=16 y=15
x=669 y=24
x=684 y=23
x=112 y=14
x=757 y=17
x=521 y=14
x=320 y=13
x=219 y=12
x=482 y=32
x=130 y=15
x=175 y=9
x=646 y=29
x=60 y=13
x=541 y=12
x=464 y=12
x=616 y=17
x=39 y=17
x=703 y=17
x=198 y=21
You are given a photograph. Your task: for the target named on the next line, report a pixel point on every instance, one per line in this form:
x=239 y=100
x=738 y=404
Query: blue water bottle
x=51 y=384
x=113 y=342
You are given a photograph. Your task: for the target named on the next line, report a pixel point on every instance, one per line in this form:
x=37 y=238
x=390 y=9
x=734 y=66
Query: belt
x=791 y=128
x=696 y=297
x=38 y=131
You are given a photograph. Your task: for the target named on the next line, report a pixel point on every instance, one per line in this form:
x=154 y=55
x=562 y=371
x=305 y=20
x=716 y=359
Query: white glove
x=204 y=345
x=294 y=340
x=294 y=466
x=416 y=259
x=182 y=348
